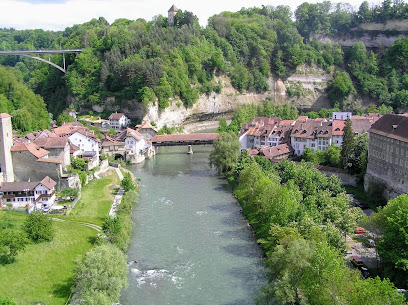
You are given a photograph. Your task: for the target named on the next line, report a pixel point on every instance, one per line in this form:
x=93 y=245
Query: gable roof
x=128 y=132
x=116 y=116
x=145 y=125
x=53 y=142
x=49 y=183
x=276 y=151
x=27 y=186
x=108 y=141
x=69 y=128
x=33 y=148
x=393 y=126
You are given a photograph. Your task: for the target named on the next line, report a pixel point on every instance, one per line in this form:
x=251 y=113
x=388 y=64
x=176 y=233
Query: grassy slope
x=43 y=272
x=96 y=200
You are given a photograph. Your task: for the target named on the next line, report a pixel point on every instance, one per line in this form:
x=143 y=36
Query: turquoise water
x=191 y=243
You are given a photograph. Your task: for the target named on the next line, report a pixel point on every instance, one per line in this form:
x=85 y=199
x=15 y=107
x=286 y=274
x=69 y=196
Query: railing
x=45 y=196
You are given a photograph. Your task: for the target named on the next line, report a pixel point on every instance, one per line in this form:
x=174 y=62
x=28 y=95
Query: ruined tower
x=6 y=142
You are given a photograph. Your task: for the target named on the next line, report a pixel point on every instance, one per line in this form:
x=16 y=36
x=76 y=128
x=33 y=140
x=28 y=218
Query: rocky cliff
x=373 y=35
x=209 y=109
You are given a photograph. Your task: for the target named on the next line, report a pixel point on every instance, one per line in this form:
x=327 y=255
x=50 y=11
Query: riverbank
x=48 y=268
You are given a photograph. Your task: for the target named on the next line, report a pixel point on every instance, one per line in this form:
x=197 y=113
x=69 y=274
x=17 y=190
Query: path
x=89 y=225
x=118 y=197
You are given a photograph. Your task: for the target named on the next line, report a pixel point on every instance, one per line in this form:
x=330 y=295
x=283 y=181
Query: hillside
x=152 y=67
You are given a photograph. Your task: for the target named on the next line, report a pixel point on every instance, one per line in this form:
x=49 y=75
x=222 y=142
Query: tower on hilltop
x=6 y=142
x=172 y=12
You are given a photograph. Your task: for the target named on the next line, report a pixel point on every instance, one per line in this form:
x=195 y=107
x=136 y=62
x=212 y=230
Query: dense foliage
x=393 y=245
x=26 y=108
x=39 y=227
x=152 y=61
x=100 y=276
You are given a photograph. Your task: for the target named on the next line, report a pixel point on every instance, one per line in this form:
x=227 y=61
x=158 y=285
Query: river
x=191 y=242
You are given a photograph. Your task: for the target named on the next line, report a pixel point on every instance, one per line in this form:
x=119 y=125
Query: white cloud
x=20 y=14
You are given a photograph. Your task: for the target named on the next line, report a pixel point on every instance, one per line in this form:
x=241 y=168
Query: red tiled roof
x=69 y=128
x=49 y=160
x=338 y=127
x=312 y=129
x=185 y=137
x=33 y=148
x=275 y=151
x=53 y=142
x=145 y=125
x=49 y=183
x=116 y=116
x=73 y=148
x=4 y=115
x=253 y=152
x=111 y=142
x=128 y=132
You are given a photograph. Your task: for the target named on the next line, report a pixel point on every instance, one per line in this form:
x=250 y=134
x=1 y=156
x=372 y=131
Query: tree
x=393 y=246
x=127 y=183
x=356 y=159
x=348 y=139
x=333 y=155
x=111 y=226
x=78 y=164
x=11 y=242
x=64 y=118
x=226 y=152
x=340 y=88
x=39 y=227
x=100 y=276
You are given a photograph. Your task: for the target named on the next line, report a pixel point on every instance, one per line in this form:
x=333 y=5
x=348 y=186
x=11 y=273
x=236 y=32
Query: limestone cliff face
x=216 y=106
x=373 y=35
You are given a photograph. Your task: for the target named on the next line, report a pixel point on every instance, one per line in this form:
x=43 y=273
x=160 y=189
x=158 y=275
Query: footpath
x=118 y=197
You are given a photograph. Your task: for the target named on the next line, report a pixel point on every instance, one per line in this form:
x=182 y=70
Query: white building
x=33 y=195
x=341 y=116
x=316 y=134
x=118 y=121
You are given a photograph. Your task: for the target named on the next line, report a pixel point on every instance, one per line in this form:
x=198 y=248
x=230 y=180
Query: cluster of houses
x=33 y=166
x=276 y=139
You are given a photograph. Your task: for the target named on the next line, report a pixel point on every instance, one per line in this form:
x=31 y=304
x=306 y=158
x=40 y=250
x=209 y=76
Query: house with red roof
x=33 y=195
x=32 y=162
x=118 y=121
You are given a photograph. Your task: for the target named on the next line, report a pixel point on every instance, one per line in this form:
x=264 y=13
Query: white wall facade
x=134 y=146
x=84 y=143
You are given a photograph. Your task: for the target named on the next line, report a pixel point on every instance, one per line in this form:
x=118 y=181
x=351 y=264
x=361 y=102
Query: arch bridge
x=32 y=53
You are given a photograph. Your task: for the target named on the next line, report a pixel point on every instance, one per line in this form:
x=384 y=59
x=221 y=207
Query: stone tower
x=172 y=12
x=6 y=142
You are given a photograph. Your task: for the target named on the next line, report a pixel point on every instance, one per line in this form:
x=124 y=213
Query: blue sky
x=59 y=14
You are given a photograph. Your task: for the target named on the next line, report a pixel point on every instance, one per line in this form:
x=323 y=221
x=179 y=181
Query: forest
x=150 y=61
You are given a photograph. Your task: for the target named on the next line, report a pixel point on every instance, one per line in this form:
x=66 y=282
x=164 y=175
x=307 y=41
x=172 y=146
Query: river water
x=191 y=242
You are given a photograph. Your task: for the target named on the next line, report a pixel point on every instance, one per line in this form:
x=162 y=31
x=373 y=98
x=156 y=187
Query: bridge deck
x=184 y=139
x=56 y=51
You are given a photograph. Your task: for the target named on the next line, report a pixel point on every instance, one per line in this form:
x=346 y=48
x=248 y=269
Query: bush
x=78 y=164
x=128 y=183
x=39 y=227
x=100 y=276
x=11 y=242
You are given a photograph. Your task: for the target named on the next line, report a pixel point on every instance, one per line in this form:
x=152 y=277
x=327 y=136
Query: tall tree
x=226 y=152
x=348 y=139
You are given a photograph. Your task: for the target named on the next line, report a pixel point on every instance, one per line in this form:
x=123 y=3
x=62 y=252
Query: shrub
x=127 y=182
x=39 y=227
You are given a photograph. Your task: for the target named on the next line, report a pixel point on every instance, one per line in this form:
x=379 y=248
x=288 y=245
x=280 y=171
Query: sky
x=59 y=14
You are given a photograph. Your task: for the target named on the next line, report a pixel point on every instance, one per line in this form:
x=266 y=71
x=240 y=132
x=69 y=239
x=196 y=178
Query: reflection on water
x=190 y=241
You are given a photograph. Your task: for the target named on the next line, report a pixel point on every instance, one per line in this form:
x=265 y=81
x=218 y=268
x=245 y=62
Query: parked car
x=364 y=271
x=359 y=230
x=46 y=208
x=357 y=262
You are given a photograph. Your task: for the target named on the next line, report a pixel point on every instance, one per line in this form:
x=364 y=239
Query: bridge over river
x=184 y=139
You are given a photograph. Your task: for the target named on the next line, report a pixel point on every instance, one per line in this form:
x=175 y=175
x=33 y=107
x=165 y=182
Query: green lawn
x=96 y=199
x=43 y=272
